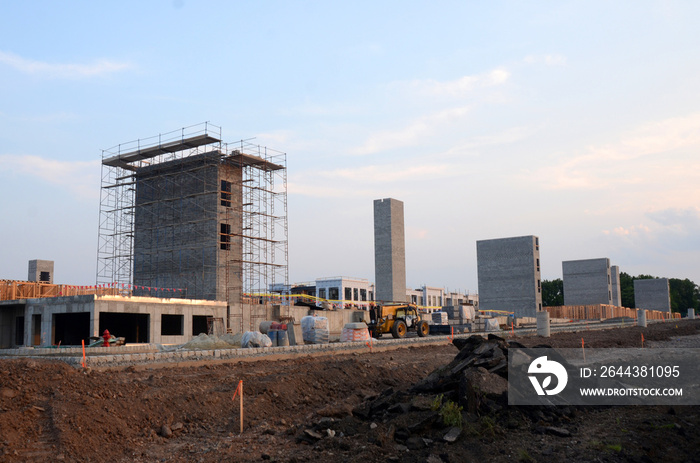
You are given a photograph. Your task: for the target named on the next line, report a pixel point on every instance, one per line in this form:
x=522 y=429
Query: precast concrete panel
x=652 y=294
x=587 y=281
x=509 y=275
x=389 y=250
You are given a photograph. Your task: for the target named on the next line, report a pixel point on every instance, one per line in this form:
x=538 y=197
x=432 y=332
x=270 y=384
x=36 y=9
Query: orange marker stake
x=369 y=343
x=83 y=342
x=583 y=350
x=512 y=329
x=642 y=339
x=239 y=390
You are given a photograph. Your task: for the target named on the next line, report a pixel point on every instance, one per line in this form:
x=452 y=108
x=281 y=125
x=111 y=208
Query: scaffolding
x=185 y=215
x=264 y=226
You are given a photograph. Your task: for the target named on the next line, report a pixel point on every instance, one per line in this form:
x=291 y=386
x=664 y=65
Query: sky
x=575 y=121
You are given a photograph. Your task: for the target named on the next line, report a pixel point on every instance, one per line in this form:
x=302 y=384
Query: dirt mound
x=310 y=409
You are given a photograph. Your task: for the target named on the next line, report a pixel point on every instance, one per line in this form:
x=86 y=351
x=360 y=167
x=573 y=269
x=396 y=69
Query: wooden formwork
x=603 y=311
x=11 y=290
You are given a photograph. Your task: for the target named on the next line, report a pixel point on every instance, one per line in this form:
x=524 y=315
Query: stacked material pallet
x=354 y=332
x=440 y=318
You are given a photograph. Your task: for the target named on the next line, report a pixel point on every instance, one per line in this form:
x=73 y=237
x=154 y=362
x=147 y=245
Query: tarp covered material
x=466 y=312
x=255 y=339
x=205 y=342
x=491 y=324
x=315 y=330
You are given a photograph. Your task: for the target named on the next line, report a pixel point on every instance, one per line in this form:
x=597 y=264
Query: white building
x=345 y=292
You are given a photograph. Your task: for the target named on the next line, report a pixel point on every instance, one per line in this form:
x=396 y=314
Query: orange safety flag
x=239 y=388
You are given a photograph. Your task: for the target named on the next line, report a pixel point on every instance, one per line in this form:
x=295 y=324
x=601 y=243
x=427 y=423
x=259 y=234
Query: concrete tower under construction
x=389 y=250
x=184 y=215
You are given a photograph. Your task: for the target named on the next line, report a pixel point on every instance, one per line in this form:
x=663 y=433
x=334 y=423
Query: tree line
x=685 y=294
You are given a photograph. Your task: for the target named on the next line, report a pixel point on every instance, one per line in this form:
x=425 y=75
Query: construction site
x=191 y=345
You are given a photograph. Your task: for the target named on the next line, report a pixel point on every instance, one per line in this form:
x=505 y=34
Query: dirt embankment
x=302 y=410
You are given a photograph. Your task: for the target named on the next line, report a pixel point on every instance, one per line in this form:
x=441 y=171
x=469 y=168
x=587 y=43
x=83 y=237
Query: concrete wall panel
x=509 y=275
x=652 y=294
x=587 y=282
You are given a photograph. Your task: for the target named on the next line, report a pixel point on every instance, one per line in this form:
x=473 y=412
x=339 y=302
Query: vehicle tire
x=399 y=329
x=423 y=328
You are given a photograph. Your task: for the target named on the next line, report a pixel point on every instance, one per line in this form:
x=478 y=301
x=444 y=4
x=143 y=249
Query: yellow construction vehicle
x=396 y=319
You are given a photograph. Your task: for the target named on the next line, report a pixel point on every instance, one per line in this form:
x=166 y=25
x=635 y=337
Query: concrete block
x=543 y=328
x=641 y=318
x=691 y=314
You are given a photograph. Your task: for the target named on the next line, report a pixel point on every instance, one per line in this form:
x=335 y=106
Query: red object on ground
x=106 y=336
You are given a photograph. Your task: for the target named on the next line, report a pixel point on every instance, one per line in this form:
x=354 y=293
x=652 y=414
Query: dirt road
x=301 y=410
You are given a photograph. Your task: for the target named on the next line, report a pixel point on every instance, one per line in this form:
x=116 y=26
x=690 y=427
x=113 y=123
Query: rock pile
x=477 y=378
x=467 y=396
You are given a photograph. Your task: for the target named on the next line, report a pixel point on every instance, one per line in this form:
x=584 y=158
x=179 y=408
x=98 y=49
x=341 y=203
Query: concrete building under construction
x=191 y=216
x=192 y=231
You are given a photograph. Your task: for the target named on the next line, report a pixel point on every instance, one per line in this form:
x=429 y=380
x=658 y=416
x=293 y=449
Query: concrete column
x=691 y=314
x=641 y=318
x=543 y=323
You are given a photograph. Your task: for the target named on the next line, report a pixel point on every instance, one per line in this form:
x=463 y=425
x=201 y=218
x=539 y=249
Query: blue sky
x=578 y=122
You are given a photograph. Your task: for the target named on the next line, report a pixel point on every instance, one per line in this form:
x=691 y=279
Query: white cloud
x=415 y=131
x=368 y=181
x=629 y=232
x=667 y=229
x=549 y=60
x=81 y=178
x=503 y=137
x=62 y=70
x=464 y=86
x=652 y=152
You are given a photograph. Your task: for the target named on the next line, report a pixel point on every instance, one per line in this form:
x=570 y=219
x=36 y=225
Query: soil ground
x=300 y=410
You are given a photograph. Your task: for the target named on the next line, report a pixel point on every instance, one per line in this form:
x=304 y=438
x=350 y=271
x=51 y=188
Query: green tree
x=552 y=293
x=684 y=295
x=626 y=290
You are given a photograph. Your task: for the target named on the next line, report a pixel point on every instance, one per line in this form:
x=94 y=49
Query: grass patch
x=451 y=414
x=614 y=447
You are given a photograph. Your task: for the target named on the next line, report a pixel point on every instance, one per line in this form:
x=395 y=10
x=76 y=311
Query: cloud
x=658 y=151
x=367 y=181
x=62 y=70
x=411 y=134
x=461 y=87
x=81 y=178
x=670 y=229
x=549 y=60
x=503 y=137
x=684 y=222
x=629 y=232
